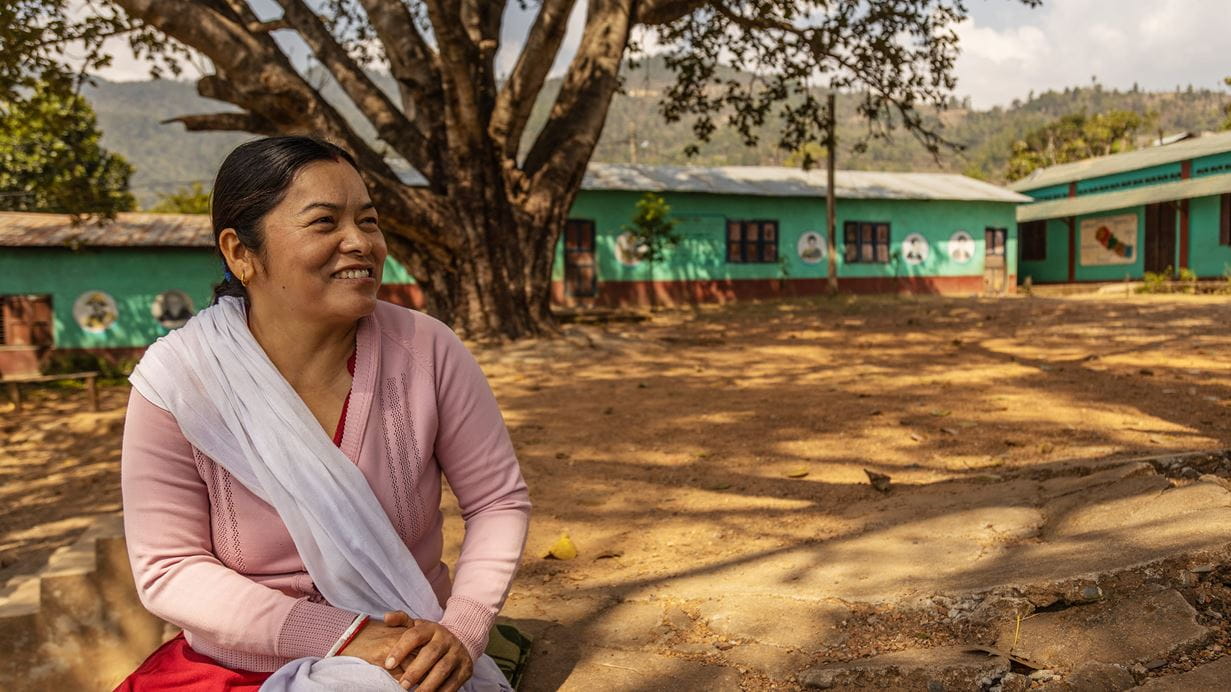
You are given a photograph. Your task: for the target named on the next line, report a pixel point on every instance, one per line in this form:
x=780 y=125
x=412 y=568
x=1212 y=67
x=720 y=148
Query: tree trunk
x=497 y=283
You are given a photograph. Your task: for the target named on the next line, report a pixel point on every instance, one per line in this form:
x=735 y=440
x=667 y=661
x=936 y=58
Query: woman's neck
x=309 y=354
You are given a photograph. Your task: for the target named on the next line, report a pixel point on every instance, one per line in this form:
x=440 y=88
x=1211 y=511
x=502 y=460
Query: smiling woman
x=283 y=454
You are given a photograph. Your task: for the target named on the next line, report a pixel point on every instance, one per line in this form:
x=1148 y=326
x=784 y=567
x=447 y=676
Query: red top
x=337 y=435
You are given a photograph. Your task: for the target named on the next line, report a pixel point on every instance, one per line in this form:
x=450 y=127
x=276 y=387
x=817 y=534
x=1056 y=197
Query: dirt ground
x=681 y=452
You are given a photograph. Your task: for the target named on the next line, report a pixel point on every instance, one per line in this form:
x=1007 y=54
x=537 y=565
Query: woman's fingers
x=443 y=669
x=459 y=677
x=411 y=639
x=398 y=618
x=436 y=653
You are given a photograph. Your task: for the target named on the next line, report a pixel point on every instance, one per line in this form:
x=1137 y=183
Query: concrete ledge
x=78 y=623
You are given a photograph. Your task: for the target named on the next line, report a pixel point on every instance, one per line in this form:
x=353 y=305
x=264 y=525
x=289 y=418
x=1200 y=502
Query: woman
x=270 y=544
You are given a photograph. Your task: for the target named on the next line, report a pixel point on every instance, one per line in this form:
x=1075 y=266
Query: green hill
x=165 y=156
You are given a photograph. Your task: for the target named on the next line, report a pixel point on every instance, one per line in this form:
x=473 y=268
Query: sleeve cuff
x=311 y=629
x=469 y=621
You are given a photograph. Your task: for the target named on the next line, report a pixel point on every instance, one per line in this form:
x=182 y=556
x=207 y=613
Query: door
x=995 y=269
x=580 y=272
x=1159 y=251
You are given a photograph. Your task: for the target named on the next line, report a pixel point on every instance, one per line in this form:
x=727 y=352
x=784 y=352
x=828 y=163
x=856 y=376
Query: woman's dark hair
x=252 y=180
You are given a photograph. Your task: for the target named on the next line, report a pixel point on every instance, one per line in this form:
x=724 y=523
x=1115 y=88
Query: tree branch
x=391 y=124
x=556 y=162
x=516 y=100
x=260 y=77
x=652 y=12
x=465 y=123
x=239 y=122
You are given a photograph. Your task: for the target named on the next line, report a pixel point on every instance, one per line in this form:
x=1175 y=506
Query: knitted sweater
x=211 y=557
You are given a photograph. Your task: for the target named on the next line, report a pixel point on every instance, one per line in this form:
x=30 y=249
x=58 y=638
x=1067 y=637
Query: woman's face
x=324 y=251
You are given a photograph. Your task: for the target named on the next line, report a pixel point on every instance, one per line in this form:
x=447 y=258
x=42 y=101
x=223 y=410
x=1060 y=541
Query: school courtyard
x=711 y=467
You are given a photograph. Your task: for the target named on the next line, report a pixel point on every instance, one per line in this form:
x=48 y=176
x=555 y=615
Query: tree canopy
x=1073 y=138
x=51 y=160
x=480 y=232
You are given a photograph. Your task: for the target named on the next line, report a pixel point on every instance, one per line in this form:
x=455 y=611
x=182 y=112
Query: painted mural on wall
x=1109 y=240
x=915 y=249
x=812 y=247
x=961 y=247
x=94 y=311
x=628 y=250
x=172 y=308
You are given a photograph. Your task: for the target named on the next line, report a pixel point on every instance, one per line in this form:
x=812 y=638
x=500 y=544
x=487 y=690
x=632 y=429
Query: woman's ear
x=238 y=257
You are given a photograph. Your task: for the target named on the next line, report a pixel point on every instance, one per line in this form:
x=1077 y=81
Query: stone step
x=1211 y=676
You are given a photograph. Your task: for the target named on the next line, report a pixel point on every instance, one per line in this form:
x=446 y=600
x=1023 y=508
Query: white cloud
x=1157 y=44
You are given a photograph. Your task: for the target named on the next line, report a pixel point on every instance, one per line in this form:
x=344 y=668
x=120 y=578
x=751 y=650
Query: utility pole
x=831 y=140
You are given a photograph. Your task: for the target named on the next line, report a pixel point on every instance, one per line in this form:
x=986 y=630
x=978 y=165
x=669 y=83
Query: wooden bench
x=15 y=391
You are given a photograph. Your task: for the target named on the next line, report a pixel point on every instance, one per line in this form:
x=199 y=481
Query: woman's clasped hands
x=415 y=652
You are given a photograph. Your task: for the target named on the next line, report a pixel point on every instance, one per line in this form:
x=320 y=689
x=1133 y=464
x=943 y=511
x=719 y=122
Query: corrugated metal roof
x=21 y=229
x=773 y=181
x=1089 y=204
x=1128 y=161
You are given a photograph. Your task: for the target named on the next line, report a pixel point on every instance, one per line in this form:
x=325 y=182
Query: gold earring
x=243 y=279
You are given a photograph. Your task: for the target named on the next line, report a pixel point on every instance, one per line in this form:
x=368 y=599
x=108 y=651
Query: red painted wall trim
x=637 y=293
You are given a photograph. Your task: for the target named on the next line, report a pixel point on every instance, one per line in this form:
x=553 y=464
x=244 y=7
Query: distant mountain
x=166 y=156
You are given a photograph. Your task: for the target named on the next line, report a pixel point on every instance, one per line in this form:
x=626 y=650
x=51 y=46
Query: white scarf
x=232 y=404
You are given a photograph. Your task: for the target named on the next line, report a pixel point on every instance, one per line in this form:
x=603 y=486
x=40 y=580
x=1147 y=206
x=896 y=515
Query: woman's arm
x=477 y=457
x=179 y=579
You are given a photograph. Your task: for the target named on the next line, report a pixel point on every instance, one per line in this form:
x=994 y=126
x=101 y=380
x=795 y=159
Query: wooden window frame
x=1224 y=219
x=1032 y=241
x=867 y=242
x=747 y=243
x=991 y=249
x=571 y=267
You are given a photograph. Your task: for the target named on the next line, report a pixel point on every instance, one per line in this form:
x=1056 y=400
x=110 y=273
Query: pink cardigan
x=212 y=558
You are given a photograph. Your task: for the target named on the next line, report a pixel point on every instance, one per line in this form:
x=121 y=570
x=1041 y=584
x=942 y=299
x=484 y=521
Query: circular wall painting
x=961 y=247
x=172 y=308
x=95 y=311
x=812 y=247
x=915 y=249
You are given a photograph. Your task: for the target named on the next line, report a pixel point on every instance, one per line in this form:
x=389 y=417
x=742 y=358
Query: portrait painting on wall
x=812 y=247
x=172 y=308
x=915 y=249
x=95 y=311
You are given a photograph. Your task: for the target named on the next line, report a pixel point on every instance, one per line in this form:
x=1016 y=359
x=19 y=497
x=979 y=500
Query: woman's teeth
x=353 y=274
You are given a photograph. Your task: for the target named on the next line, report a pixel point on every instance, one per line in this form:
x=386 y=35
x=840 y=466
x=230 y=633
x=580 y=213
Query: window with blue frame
x=866 y=242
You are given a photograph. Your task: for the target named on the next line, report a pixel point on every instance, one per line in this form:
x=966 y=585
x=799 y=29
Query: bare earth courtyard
x=711 y=468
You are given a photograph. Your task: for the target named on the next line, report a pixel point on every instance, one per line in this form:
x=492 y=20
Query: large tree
x=480 y=235
x=1076 y=137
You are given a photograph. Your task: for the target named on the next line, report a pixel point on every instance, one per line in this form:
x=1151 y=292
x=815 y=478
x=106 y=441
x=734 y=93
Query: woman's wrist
x=349 y=635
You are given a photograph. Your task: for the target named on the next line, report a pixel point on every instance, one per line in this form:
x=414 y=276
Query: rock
x=628 y=625
x=879 y=481
x=1211 y=676
x=1091 y=593
x=951 y=667
x=1042 y=675
x=604 y=669
x=1093 y=676
x=1156 y=664
x=770 y=660
x=760 y=619
x=818 y=679
x=1146 y=628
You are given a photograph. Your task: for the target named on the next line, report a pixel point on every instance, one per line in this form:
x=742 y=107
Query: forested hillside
x=166 y=157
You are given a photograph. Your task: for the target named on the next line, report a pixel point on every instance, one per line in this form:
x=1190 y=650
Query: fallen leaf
x=916 y=437
x=562 y=549
x=939 y=413
x=797 y=472
x=879 y=480
x=608 y=554
x=948 y=431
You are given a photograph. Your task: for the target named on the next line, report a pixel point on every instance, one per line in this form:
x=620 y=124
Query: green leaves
x=653 y=228
x=50 y=158
x=1075 y=137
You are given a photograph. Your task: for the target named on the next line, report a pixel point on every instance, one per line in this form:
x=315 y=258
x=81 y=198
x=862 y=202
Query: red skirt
x=175 y=666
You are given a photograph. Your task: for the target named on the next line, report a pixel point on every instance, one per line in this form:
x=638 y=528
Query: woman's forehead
x=332 y=182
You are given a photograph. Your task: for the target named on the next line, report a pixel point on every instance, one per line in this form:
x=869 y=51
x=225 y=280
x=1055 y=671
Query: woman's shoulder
x=425 y=337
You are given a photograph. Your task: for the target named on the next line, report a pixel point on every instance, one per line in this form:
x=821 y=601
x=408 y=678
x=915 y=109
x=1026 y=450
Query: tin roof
x=1122 y=199
x=28 y=229
x=1127 y=161
x=776 y=181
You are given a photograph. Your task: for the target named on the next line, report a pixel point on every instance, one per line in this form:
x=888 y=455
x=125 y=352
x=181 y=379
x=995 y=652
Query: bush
x=1156 y=283
x=64 y=362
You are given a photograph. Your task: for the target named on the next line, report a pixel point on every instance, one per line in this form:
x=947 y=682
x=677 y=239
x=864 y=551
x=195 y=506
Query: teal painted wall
x=1055 y=266
x=132 y=276
x=702 y=223
x=1205 y=256
x=1052 y=192
x=1141 y=177
x=1213 y=164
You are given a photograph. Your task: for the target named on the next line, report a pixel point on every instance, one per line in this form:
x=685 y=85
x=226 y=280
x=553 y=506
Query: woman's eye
x=323 y=219
x=370 y=219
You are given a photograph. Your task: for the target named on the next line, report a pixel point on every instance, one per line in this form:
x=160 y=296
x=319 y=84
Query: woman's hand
x=442 y=664
x=373 y=643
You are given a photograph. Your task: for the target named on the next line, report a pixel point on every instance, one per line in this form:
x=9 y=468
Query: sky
x=1008 y=49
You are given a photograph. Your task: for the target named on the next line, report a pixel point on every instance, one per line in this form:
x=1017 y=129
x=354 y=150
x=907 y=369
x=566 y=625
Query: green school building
x=1113 y=218
x=746 y=232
